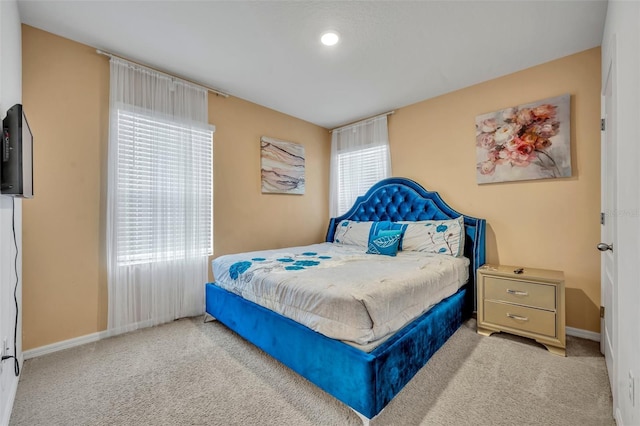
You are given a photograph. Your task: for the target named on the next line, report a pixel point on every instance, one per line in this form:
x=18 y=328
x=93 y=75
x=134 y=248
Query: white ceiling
x=391 y=53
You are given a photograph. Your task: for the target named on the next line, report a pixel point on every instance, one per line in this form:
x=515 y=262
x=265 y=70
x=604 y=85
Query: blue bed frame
x=366 y=382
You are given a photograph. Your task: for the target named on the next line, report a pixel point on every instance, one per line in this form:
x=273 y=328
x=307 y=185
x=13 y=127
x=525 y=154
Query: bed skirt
x=366 y=382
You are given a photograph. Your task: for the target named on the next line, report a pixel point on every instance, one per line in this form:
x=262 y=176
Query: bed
x=364 y=377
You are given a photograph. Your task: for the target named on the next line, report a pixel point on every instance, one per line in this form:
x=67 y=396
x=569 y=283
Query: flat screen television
x=16 y=165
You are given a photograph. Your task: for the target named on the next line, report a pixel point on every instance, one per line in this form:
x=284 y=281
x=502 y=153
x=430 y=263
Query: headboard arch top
x=399 y=199
x=396 y=203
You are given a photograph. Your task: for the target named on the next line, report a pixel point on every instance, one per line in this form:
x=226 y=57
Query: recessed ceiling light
x=330 y=38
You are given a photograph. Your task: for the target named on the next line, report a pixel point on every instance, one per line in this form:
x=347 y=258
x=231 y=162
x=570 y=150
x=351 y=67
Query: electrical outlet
x=632 y=389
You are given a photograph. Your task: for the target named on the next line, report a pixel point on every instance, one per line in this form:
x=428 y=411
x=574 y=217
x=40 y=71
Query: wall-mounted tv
x=16 y=158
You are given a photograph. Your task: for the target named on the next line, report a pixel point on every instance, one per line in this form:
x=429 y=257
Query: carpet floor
x=192 y=373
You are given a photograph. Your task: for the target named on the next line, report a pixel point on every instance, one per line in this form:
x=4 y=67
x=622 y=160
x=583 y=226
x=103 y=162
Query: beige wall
x=66 y=97
x=244 y=218
x=552 y=224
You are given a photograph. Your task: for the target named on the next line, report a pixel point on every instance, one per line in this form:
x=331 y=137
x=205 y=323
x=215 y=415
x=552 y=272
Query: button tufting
x=398 y=203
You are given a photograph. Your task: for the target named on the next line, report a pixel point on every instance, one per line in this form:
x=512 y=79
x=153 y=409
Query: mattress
x=339 y=290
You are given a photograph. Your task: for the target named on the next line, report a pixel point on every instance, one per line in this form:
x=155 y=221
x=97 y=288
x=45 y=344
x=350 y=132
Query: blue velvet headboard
x=397 y=199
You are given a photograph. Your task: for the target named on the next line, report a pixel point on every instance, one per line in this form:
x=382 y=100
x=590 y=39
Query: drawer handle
x=517 y=317
x=517 y=292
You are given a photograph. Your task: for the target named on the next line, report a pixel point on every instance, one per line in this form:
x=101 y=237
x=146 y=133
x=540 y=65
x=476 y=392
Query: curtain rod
x=211 y=89
x=355 y=123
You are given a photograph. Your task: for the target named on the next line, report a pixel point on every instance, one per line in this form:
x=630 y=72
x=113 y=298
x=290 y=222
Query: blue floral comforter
x=339 y=290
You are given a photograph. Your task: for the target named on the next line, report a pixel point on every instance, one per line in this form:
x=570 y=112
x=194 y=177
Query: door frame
x=609 y=72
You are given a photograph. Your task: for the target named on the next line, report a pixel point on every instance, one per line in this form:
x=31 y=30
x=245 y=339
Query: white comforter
x=339 y=290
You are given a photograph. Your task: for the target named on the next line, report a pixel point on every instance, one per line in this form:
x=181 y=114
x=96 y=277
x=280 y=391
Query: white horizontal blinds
x=359 y=171
x=359 y=158
x=164 y=172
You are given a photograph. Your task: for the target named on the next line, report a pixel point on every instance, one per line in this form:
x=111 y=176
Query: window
x=164 y=189
x=159 y=197
x=359 y=171
x=359 y=159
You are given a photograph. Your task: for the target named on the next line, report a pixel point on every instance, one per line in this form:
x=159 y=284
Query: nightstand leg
x=485 y=331
x=555 y=350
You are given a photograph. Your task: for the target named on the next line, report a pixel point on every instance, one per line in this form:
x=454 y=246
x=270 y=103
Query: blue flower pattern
x=306 y=263
x=442 y=229
x=238 y=268
x=241 y=270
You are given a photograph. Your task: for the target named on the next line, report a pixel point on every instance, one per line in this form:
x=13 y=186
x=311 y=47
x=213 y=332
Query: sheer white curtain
x=360 y=157
x=159 y=198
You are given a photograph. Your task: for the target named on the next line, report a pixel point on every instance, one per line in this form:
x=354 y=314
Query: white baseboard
x=618 y=417
x=65 y=344
x=9 y=402
x=585 y=334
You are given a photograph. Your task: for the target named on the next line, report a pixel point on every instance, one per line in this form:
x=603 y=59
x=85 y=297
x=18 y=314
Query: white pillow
x=352 y=233
x=435 y=236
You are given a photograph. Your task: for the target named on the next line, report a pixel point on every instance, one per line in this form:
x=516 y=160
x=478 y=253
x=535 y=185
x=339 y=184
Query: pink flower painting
x=531 y=141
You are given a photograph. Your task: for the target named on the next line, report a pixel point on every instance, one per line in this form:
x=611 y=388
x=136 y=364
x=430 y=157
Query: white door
x=608 y=230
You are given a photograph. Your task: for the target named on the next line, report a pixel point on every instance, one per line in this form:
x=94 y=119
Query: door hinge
x=601 y=311
x=602 y=124
x=601 y=218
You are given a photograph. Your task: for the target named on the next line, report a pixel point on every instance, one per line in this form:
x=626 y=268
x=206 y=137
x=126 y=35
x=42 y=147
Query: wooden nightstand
x=530 y=304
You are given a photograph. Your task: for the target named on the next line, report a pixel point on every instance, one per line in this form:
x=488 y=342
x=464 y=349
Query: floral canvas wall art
x=530 y=141
x=282 y=165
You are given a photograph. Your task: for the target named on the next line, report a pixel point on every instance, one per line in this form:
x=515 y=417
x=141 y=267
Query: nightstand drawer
x=520 y=318
x=520 y=292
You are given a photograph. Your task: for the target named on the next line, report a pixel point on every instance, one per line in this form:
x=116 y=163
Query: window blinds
x=360 y=157
x=164 y=171
x=359 y=171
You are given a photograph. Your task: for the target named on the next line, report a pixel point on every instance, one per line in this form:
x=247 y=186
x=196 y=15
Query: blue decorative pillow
x=385 y=242
x=386 y=225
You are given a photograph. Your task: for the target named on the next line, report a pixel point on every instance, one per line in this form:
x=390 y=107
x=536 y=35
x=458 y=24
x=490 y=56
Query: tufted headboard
x=397 y=199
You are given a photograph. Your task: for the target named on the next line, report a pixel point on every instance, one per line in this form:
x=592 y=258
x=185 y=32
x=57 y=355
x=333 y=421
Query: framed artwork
x=282 y=166
x=525 y=142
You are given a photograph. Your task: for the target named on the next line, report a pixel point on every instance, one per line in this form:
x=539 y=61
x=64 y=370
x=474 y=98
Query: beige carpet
x=191 y=373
